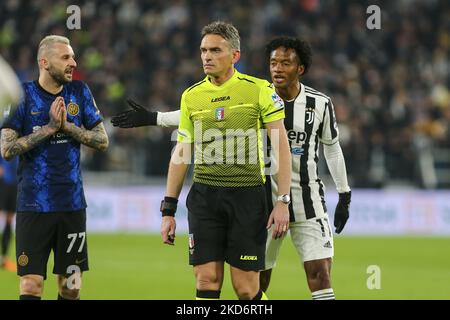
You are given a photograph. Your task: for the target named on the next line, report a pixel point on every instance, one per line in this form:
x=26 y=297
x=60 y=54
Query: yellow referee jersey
x=224 y=124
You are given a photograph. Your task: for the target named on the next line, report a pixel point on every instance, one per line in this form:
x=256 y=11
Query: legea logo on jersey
x=248 y=258
x=220 y=114
x=220 y=99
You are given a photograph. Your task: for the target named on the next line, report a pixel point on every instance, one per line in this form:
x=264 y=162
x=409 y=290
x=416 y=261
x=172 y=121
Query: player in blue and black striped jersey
x=56 y=116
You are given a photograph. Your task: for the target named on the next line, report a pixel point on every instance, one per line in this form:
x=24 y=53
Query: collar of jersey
x=38 y=85
x=227 y=83
x=301 y=97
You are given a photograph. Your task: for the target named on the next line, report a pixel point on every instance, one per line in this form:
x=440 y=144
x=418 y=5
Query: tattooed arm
x=12 y=145
x=95 y=138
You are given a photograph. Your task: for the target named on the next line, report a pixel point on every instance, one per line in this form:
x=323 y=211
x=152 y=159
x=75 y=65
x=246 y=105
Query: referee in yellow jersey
x=221 y=121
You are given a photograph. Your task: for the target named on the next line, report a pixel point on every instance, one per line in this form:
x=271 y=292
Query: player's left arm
x=95 y=138
x=280 y=147
x=92 y=132
x=336 y=164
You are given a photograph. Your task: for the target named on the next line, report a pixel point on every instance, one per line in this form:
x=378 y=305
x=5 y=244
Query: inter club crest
x=73 y=109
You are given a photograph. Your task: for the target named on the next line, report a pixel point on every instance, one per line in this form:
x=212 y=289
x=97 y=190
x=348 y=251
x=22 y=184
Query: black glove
x=137 y=117
x=341 y=213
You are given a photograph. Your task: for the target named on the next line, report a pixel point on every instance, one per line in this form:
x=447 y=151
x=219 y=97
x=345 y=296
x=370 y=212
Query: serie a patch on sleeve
x=277 y=101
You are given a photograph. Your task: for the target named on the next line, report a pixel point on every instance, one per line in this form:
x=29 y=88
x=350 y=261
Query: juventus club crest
x=309 y=115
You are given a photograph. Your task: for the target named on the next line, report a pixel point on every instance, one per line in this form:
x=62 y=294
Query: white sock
x=325 y=294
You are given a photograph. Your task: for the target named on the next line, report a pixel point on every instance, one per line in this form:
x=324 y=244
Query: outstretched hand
x=138 y=116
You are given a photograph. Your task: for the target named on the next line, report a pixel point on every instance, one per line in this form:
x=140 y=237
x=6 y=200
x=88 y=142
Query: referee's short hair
x=301 y=47
x=225 y=30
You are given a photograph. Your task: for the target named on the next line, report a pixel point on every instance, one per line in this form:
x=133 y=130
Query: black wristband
x=168 y=206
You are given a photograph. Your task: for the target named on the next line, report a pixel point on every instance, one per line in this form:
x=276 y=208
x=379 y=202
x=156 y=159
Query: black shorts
x=8 y=197
x=227 y=224
x=38 y=233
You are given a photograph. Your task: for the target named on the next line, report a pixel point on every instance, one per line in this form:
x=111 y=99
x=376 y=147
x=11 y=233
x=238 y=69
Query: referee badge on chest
x=220 y=114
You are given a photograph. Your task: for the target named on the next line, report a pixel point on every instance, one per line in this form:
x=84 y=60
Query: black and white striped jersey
x=310 y=119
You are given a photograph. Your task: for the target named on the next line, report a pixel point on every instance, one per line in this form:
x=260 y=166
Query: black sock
x=60 y=297
x=258 y=295
x=6 y=237
x=28 y=297
x=208 y=294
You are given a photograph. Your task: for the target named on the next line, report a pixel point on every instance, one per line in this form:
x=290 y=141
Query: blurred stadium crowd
x=390 y=87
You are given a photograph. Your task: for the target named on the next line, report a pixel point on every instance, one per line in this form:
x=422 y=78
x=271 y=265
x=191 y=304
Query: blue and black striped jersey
x=49 y=175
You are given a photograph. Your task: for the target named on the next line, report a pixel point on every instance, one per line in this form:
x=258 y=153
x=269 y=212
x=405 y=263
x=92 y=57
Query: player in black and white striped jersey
x=310 y=120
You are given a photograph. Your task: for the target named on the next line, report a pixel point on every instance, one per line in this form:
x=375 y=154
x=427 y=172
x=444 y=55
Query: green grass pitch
x=125 y=266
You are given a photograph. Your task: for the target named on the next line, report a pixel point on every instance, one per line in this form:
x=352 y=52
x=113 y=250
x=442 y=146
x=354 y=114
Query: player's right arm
x=178 y=167
x=12 y=145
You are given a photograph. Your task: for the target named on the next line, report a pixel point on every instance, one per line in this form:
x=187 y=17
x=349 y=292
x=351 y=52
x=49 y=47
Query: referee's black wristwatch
x=285 y=198
x=168 y=206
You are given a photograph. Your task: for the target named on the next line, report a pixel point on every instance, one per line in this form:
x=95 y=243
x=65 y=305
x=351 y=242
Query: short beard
x=57 y=76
